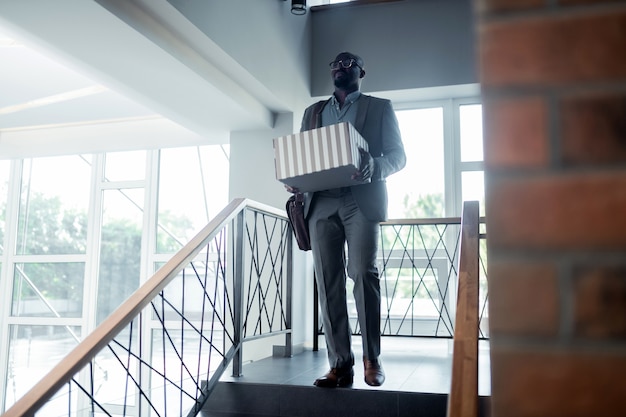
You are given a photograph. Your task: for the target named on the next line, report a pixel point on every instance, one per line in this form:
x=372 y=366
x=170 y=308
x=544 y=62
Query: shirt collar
x=350 y=98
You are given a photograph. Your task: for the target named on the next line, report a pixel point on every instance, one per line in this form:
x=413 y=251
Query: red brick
x=557 y=383
x=516 y=133
x=573 y=211
x=492 y=6
x=593 y=128
x=549 y=51
x=523 y=299
x=600 y=302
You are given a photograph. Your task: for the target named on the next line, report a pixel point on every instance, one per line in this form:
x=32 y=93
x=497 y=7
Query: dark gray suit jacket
x=377 y=123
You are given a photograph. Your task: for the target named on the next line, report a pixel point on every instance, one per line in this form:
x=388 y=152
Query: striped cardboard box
x=319 y=159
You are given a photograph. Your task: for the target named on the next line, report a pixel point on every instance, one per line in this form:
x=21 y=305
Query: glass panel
x=4 y=189
x=33 y=351
x=53 y=206
x=198 y=295
x=199 y=356
x=418 y=190
x=418 y=265
x=471 y=128
x=48 y=289
x=483 y=291
x=125 y=166
x=193 y=188
x=473 y=188
x=120 y=256
x=112 y=367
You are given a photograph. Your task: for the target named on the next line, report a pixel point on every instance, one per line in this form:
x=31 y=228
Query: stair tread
x=418 y=381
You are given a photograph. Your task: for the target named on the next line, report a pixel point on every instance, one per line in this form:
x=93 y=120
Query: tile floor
x=411 y=364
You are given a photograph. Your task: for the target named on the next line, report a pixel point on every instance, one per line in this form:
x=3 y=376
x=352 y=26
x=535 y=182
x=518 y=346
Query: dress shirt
x=332 y=114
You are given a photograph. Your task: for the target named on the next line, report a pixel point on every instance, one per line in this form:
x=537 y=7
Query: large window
x=418 y=190
x=85 y=231
x=193 y=183
x=443 y=143
x=471 y=165
x=4 y=187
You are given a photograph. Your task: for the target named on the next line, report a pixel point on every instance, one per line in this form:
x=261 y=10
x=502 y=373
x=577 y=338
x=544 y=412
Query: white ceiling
x=80 y=76
x=37 y=90
x=131 y=66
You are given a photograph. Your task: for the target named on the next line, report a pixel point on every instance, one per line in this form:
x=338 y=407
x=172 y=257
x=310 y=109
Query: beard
x=343 y=82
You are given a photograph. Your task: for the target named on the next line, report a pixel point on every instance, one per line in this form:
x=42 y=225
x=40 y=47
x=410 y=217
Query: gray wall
x=406 y=44
x=252 y=176
x=409 y=44
x=262 y=36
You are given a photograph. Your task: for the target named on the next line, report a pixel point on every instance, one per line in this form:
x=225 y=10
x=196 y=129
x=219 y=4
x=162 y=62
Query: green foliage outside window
x=46 y=227
x=424 y=207
x=170 y=227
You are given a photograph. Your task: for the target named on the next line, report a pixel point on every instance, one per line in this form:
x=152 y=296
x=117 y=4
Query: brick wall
x=553 y=75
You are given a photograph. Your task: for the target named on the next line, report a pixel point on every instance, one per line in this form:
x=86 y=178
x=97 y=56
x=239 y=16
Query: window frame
x=453 y=167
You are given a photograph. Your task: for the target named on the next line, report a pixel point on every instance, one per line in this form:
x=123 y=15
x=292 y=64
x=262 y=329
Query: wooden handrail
x=102 y=335
x=463 y=397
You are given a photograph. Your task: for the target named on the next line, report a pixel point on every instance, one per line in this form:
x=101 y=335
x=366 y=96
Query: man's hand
x=291 y=189
x=366 y=170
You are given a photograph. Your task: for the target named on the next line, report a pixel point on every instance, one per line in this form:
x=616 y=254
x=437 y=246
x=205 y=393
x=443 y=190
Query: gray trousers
x=334 y=220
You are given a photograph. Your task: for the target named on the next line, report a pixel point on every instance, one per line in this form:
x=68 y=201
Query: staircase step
x=418 y=380
x=204 y=413
x=253 y=399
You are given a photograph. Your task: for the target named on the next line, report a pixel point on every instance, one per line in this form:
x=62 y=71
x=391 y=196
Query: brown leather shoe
x=336 y=377
x=374 y=374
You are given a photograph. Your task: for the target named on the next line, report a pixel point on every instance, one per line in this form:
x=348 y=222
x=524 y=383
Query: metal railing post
x=238 y=258
x=289 y=295
x=316 y=316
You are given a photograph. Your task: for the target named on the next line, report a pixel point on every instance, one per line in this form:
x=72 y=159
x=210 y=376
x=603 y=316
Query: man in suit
x=352 y=215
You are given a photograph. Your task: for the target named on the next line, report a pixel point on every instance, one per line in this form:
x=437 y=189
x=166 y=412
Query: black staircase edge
x=280 y=400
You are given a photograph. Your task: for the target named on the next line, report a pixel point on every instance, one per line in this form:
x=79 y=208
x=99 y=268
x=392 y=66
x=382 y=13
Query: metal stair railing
x=164 y=349
x=418 y=261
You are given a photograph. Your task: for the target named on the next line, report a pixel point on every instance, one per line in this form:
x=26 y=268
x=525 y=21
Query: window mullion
x=6 y=281
x=451 y=159
x=94 y=228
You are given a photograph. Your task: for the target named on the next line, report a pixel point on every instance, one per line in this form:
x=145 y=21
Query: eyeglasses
x=346 y=63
